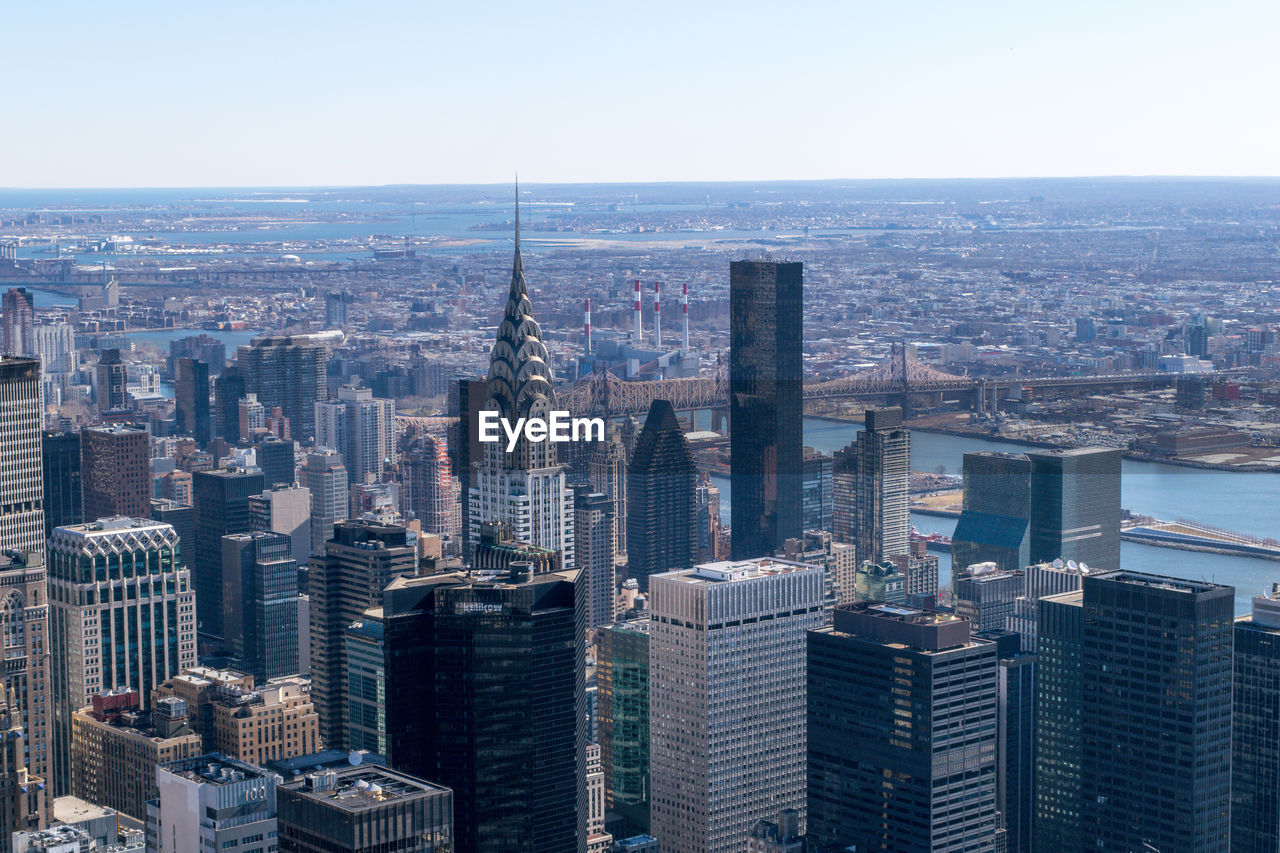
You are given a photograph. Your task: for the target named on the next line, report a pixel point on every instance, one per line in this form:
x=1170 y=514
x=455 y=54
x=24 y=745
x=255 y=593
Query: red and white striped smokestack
x=586 y=321
x=684 y=310
x=657 y=314
x=639 y=315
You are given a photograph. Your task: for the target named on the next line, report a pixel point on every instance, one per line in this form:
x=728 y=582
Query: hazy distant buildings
x=765 y=387
x=727 y=698
x=660 y=497
x=896 y=757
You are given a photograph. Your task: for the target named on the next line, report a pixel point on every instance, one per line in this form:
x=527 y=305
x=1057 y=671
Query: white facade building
x=727 y=698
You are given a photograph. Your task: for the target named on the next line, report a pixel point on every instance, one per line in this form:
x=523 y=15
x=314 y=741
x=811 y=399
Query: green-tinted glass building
x=622 y=679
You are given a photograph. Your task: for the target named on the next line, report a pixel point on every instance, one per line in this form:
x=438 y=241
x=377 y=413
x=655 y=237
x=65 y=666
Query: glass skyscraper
x=122 y=615
x=766 y=367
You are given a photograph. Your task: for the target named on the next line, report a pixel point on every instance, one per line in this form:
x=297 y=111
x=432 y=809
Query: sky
x=229 y=93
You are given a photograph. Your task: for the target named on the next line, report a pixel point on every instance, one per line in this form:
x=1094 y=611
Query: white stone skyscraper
x=727 y=670
x=21 y=469
x=525 y=487
x=326 y=477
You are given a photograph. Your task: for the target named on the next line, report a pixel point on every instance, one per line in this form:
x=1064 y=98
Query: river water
x=1246 y=502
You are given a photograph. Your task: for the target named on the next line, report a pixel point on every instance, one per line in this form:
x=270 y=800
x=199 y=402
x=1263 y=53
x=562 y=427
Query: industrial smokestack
x=684 y=311
x=657 y=315
x=639 y=316
x=586 y=320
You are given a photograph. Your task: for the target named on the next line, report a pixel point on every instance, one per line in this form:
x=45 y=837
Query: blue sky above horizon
x=323 y=93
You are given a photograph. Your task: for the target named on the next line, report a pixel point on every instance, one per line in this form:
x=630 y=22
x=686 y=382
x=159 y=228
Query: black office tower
x=660 y=501
x=1040 y=506
x=1075 y=506
x=901 y=732
x=61 y=472
x=466 y=397
x=358 y=563
x=994 y=526
x=260 y=604
x=1255 y=758
x=228 y=388
x=485 y=695
x=1059 y=689
x=191 y=395
x=766 y=370
x=276 y=459
x=182 y=517
x=1156 y=714
x=221 y=501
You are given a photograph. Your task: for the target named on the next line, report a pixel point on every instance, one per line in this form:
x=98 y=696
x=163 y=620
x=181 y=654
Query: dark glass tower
x=466 y=398
x=62 y=489
x=191 y=395
x=221 y=501
x=1156 y=714
x=485 y=695
x=902 y=711
x=1059 y=688
x=276 y=459
x=1039 y=507
x=1255 y=751
x=997 y=510
x=1075 y=506
x=766 y=372
x=260 y=603
x=358 y=563
x=660 y=501
x=228 y=388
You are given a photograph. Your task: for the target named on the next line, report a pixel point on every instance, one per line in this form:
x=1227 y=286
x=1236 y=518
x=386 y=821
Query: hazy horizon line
x=526 y=183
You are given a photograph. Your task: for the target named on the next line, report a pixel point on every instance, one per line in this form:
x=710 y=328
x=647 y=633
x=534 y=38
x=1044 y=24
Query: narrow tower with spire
x=525 y=487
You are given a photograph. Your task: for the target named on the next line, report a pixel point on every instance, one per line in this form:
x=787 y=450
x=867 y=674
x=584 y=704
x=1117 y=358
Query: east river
x=1244 y=502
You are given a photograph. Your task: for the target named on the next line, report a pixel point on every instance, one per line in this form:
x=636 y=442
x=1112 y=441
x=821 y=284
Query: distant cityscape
x=928 y=516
